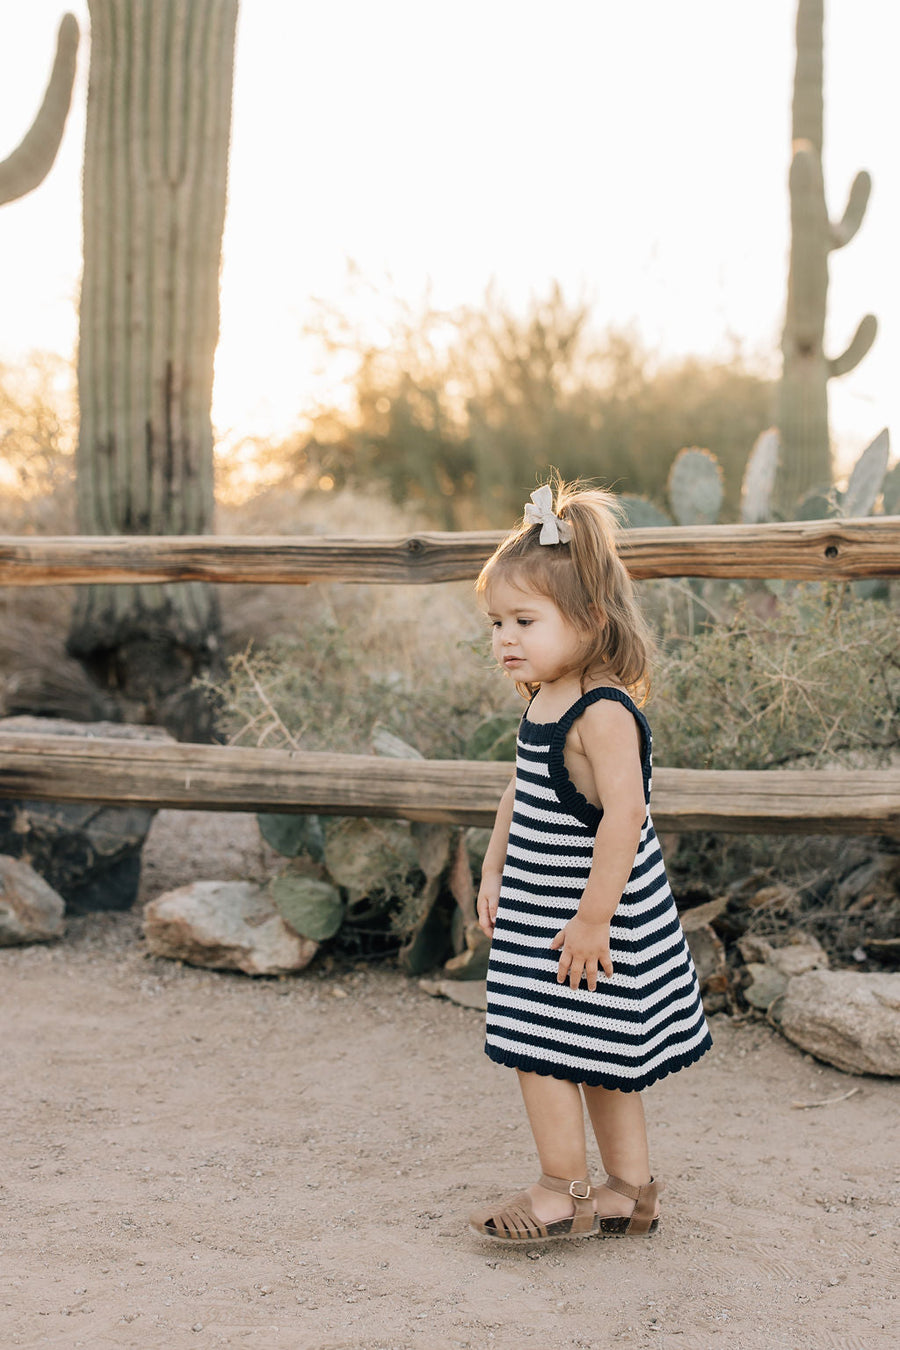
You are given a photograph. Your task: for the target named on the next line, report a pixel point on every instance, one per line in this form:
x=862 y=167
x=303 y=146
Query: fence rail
x=460 y=792
x=230 y=778
x=817 y=550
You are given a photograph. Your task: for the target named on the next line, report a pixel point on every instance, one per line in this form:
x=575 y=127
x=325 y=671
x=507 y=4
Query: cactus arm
x=29 y=164
x=850 y=221
x=859 y=344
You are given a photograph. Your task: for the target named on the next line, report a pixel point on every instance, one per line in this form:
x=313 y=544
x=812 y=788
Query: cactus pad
x=867 y=478
x=759 y=478
x=311 y=907
x=695 y=487
x=891 y=491
x=641 y=514
x=369 y=857
x=293 y=835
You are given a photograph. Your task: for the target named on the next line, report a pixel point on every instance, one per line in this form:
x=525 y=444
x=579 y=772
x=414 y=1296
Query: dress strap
x=566 y=789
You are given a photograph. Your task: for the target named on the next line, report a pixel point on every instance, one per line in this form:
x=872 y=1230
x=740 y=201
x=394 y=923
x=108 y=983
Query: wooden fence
x=232 y=778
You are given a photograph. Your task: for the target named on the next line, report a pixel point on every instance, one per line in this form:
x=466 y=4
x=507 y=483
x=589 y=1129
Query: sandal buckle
x=575 y=1194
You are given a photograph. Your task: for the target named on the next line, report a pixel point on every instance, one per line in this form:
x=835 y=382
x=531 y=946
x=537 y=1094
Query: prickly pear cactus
x=802 y=399
x=640 y=513
x=368 y=857
x=758 y=483
x=311 y=907
x=293 y=835
x=891 y=491
x=867 y=478
x=695 y=487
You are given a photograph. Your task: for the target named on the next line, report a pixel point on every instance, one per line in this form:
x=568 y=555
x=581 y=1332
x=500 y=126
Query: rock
x=766 y=984
x=225 y=925
x=754 y=948
x=88 y=852
x=30 y=910
x=708 y=912
x=708 y=954
x=796 y=957
x=848 y=1019
x=467 y=993
x=472 y=962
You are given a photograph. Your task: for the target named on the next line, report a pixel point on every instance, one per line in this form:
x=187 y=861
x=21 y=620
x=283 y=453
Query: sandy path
x=197 y=1159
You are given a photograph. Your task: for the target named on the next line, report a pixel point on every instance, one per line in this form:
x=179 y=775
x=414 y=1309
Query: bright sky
x=637 y=153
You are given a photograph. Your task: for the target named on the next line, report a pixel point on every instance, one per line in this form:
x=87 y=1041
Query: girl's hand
x=488 y=900
x=585 y=947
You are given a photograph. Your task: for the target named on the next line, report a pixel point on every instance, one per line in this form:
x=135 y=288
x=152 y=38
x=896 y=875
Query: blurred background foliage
x=465 y=412
x=456 y=416
x=461 y=414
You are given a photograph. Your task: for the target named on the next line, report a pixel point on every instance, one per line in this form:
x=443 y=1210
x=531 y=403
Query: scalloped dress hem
x=510 y=1060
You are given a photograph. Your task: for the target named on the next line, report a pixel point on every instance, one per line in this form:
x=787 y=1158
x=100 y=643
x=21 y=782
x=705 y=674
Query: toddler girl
x=591 y=989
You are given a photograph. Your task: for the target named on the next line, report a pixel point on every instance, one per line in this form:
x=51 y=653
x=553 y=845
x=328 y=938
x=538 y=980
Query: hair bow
x=553 y=530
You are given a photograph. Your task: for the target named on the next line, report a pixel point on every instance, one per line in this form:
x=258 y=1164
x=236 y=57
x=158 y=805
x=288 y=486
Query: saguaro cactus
x=29 y=164
x=803 y=401
x=155 y=165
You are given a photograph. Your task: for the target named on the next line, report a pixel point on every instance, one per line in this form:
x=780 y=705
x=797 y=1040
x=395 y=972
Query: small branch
x=826 y=1101
x=267 y=703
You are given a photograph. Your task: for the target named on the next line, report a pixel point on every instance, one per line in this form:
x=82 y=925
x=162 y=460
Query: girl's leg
x=621 y=1131
x=556 y=1116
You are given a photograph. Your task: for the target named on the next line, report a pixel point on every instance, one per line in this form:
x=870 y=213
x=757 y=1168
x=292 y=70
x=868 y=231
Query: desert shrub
x=463 y=412
x=807 y=680
x=37 y=440
x=37 y=437
x=415 y=661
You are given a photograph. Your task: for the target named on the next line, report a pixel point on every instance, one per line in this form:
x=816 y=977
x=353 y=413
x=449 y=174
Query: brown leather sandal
x=641 y=1222
x=514 y=1220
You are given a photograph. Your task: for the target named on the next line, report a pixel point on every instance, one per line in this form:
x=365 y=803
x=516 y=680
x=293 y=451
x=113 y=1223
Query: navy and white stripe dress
x=647 y=1019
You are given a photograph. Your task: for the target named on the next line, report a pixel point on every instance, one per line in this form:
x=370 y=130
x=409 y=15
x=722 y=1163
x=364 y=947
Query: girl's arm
x=611 y=743
x=494 y=858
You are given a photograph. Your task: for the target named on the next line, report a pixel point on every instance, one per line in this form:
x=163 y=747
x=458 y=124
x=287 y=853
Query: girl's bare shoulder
x=606 y=725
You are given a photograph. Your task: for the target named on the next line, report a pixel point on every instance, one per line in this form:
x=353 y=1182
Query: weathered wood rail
x=231 y=778
x=816 y=550
x=239 y=778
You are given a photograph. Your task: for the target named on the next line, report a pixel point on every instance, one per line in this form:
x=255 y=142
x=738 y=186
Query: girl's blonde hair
x=587 y=582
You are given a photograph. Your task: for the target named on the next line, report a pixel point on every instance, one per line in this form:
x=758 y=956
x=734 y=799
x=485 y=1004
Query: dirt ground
x=200 y=1159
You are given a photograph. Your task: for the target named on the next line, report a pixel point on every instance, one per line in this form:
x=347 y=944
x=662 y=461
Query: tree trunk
x=156 y=154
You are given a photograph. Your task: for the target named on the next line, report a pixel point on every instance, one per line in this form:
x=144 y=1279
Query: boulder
x=30 y=910
x=848 y=1019
x=225 y=925
x=88 y=852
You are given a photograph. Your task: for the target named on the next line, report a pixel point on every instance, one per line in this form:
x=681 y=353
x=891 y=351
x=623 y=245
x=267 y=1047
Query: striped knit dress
x=647 y=1019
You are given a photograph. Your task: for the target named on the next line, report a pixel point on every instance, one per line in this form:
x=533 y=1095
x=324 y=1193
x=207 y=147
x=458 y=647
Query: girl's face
x=531 y=639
